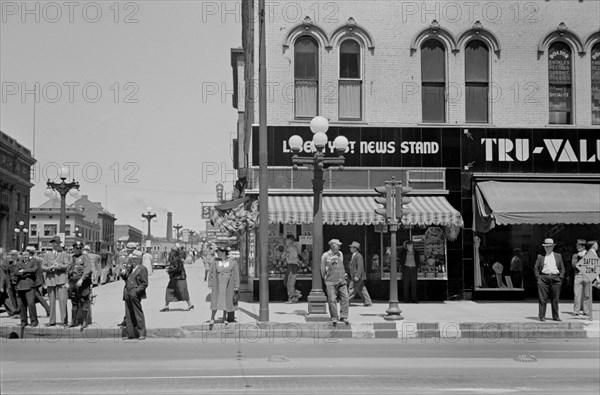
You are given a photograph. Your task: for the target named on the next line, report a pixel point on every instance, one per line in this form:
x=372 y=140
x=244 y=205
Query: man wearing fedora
x=359 y=275
x=581 y=286
x=54 y=267
x=334 y=274
x=549 y=271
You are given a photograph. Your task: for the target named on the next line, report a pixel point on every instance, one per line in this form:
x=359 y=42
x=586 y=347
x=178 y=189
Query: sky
x=133 y=97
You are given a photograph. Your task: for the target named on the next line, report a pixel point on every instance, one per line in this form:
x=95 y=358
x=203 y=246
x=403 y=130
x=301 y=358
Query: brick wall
x=392 y=75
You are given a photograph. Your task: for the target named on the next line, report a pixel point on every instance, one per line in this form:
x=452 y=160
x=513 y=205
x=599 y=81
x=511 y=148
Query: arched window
x=350 y=83
x=433 y=81
x=559 y=83
x=306 y=77
x=476 y=82
x=596 y=84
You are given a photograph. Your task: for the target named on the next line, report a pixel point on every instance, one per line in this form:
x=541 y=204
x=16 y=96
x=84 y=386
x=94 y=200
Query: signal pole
x=393 y=201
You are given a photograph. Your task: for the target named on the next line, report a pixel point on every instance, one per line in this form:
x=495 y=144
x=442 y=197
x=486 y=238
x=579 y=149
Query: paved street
x=183 y=366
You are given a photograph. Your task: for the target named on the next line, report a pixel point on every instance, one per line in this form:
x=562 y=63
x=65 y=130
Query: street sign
x=185 y=235
x=206 y=211
x=589 y=265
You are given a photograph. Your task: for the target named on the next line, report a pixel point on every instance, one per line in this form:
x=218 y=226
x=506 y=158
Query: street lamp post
x=177 y=228
x=318 y=161
x=21 y=228
x=63 y=187
x=149 y=215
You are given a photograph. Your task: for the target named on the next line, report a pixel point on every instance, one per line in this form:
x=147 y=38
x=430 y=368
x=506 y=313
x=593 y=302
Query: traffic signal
x=402 y=201
x=386 y=200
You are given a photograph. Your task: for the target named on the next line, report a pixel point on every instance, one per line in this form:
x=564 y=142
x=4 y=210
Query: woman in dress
x=224 y=281
x=177 y=289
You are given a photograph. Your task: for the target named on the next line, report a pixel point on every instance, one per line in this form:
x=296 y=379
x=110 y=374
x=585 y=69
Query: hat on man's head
x=131 y=245
x=548 y=242
x=11 y=252
x=335 y=241
x=55 y=239
x=224 y=249
x=136 y=253
x=87 y=247
x=30 y=249
x=581 y=242
x=78 y=245
x=355 y=245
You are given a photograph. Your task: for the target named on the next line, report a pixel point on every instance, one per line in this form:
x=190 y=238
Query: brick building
x=489 y=110
x=15 y=188
x=45 y=223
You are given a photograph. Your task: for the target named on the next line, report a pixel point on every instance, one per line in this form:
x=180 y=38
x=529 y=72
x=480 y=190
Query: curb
x=323 y=331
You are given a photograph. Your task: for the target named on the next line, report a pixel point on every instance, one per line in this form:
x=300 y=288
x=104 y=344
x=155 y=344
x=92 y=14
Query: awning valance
x=511 y=203
x=360 y=210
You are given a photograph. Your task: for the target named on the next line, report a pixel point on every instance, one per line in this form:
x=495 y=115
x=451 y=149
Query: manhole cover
x=526 y=358
x=278 y=358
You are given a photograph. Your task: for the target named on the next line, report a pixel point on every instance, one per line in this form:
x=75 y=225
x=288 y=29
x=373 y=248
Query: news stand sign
x=589 y=265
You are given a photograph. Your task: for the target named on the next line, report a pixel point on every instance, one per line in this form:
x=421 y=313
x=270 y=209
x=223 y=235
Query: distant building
x=94 y=211
x=125 y=234
x=45 y=222
x=15 y=187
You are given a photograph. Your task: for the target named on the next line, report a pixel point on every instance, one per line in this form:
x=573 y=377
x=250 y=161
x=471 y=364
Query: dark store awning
x=360 y=210
x=512 y=203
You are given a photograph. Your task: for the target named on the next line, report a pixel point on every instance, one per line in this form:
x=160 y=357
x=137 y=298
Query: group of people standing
x=65 y=275
x=549 y=271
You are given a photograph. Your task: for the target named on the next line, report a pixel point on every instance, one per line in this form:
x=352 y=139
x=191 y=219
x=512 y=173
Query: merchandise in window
x=559 y=78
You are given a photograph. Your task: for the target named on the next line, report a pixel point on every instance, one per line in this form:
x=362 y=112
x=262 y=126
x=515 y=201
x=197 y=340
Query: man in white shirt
x=549 y=271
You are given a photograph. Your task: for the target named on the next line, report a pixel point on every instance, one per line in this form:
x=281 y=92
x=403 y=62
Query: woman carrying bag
x=177 y=289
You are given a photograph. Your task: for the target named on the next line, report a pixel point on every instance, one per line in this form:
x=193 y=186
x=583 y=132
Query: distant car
x=158 y=261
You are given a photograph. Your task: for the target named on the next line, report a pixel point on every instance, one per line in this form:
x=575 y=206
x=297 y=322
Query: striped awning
x=360 y=210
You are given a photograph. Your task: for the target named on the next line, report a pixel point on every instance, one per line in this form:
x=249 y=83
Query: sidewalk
x=449 y=320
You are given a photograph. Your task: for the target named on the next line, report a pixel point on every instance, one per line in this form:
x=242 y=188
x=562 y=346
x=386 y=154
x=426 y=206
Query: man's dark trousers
x=135 y=323
x=549 y=288
x=27 y=302
x=409 y=280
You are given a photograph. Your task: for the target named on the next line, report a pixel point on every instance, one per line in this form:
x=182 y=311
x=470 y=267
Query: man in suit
x=358 y=275
x=7 y=292
x=409 y=261
x=80 y=282
x=54 y=265
x=26 y=275
x=549 y=271
x=136 y=282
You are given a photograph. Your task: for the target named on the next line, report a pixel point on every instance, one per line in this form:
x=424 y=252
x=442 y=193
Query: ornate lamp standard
x=177 y=228
x=20 y=241
x=149 y=215
x=318 y=161
x=77 y=234
x=62 y=188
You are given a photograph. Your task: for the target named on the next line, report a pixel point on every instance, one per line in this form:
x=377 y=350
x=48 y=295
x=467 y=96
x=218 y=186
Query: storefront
x=527 y=185
x=477 y=195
